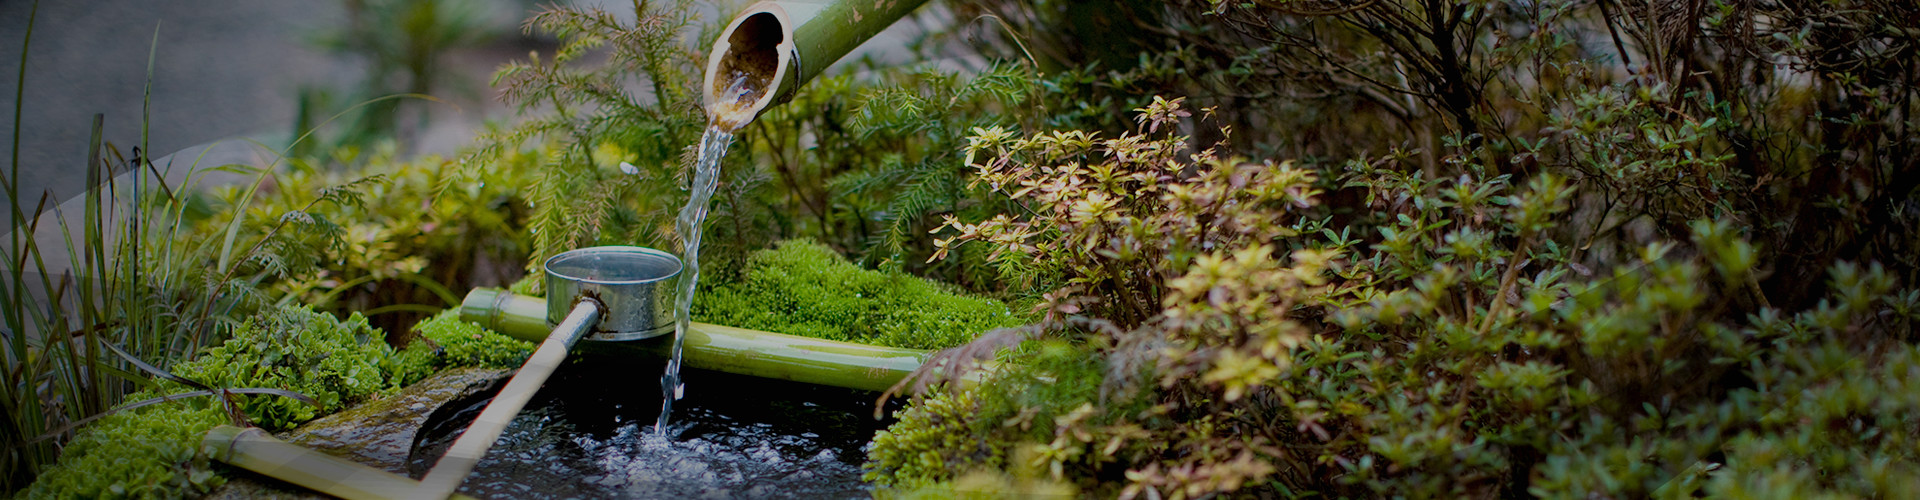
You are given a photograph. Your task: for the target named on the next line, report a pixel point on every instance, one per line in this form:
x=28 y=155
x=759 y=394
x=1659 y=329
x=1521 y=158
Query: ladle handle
x=458 y=462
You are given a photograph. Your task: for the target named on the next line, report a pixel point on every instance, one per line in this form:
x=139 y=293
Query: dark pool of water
x=589 y=434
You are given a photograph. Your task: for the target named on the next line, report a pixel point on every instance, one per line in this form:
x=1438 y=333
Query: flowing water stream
x=723 y=118
x=706 y=173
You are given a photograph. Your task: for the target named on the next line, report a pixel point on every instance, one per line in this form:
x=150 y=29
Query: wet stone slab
x=381 y=433
x=377 y=433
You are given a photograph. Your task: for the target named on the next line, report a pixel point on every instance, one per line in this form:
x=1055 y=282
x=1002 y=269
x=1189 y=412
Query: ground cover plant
x=145 y=277
x=152 y=451
x=804 y=288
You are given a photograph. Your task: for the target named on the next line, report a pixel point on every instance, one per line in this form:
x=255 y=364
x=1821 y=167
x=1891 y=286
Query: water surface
x=585 y=436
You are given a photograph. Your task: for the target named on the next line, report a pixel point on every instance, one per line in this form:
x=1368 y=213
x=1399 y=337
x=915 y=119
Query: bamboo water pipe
x=718 y=348
x=775 y=47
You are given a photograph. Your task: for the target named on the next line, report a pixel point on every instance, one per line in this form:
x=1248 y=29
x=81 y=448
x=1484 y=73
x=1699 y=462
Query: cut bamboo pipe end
x=772 y=48
x=752 y=66
x=472 y=445
x=254 y=449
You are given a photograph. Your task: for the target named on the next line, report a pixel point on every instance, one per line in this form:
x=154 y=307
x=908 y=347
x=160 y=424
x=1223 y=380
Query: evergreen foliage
x=597 y=129
x=890 y=165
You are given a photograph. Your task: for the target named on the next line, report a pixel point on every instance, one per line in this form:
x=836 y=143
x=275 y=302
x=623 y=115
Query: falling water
x=723 y=118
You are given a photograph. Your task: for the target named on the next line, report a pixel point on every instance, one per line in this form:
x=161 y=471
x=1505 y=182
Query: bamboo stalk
x=454 y=466
x=781 y=45
x=719 y=348
x=255 y=450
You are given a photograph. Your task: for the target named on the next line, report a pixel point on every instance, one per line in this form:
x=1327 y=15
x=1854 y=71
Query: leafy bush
x=425 y=229
x=1158 y=264
x=1439 y=339
x=804 y=288
x=1046 y=398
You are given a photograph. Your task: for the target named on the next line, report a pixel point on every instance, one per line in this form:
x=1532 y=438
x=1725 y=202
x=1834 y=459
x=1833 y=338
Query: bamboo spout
x=773 y=48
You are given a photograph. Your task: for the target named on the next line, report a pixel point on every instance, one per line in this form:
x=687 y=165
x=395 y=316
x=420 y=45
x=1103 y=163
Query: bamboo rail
x=719 y=348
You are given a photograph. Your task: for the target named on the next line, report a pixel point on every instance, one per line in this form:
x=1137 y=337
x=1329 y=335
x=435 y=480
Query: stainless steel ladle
x=608 y=293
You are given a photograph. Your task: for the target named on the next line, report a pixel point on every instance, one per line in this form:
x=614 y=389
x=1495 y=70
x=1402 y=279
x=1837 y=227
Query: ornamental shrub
x=1045 y=402
x=801 y=287
x=1431 y=337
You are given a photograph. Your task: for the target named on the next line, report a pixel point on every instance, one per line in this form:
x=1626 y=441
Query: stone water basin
x=589 y=433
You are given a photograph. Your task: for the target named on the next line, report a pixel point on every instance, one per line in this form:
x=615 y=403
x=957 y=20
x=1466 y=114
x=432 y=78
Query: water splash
x=734 y=436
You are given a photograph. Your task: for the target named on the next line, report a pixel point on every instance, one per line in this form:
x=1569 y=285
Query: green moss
x=804 y=288
x=1000 y=425
x=148 y=452
x=930 y=443
x=337 y=363
x=465 y=344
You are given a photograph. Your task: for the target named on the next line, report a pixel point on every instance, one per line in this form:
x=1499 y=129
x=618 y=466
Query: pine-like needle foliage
x=617 y=127
x=869 y=166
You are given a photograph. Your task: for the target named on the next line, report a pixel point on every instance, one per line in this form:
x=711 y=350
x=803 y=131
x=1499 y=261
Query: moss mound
x=459 y=343
x=152 y=452
x=337 y=363
x=801 y=287
x=147 y=452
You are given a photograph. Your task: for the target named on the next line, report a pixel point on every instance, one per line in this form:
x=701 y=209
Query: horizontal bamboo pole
x=254 y=449
x=719 y=348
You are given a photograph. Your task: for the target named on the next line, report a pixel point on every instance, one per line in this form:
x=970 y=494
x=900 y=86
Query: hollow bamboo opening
x=748 y=65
